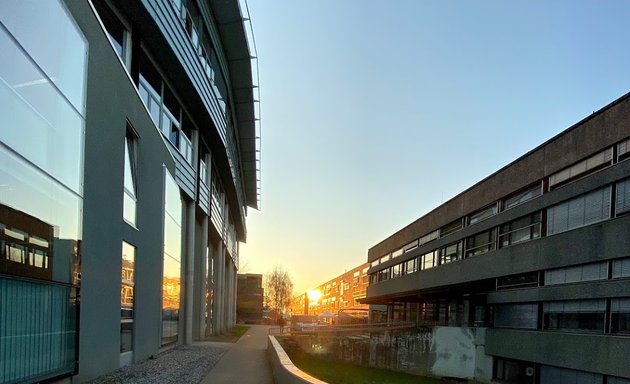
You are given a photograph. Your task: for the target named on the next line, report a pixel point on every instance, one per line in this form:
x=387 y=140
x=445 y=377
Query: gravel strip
x=183 y=364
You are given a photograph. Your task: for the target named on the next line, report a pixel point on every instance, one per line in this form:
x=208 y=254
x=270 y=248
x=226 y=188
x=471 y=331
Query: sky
x=373 y=113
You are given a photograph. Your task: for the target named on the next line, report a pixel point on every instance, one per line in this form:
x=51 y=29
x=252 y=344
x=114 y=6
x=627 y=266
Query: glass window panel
x=516 y=316
x=171 y=282
x=554 y=375
x=622 y=203
x=582 y=210
x=39 y=113
x=483 y=214
x=129 y=209
x=522 y=197
x=64 y=61
x=621 y=268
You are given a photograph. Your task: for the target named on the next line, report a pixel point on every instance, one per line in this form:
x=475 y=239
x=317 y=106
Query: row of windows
x=556 y=180
x=514 y=371
x=603 y=270
x=586 y=209
x=570 y=315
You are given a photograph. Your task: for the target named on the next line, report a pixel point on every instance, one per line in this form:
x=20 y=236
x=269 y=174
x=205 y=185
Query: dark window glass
x=481 y=243
x=451 y=253
x=622 y=202
x=451 y=227
x=518 y=281
x=516 y=316
x=482 y=214
x=523 y=229
x=522 y=197
x=582 y=210
x=575 y=315
x=620 y=316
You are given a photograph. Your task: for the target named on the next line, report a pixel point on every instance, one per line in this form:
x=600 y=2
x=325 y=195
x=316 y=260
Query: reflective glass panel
x=64 y=61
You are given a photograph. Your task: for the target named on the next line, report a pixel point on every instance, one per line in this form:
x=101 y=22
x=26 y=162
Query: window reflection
x=64 y=61
x=171 y=280
x=127 y=290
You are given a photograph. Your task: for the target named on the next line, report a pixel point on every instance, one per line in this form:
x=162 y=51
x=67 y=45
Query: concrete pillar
x=219 y=290
x=201 y=278
x=190 y=271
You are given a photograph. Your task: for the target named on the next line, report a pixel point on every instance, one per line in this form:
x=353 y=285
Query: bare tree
x=278 y=289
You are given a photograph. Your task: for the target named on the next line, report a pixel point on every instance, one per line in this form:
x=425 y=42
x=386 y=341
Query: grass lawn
x=232 y=336
x=343 y=373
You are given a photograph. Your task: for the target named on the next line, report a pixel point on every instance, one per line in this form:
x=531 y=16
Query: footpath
x=245 y=362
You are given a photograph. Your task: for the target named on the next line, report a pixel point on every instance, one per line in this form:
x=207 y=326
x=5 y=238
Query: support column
x=201 y=279
x=190 y=271
x=219 y=264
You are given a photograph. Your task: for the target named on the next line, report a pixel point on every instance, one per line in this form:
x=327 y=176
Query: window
x=451 y=253
x=482 y=214
x=451 y=227
x=397 y=253
x=523 y=229
x=620 y=316
x=574 y=315
x=622 y=201
x=581 y=168
x=411 y=246
x=129 y=195
x=395 y=272
x=516 y=316
x=429 y=260
x=429 y=237
x=621 y=268
x=578 y=273
x=582 y=210
x=118 y=34
x=410 y=266
x=171 y=271
x=481 y=243
x=383 y=275
x=127 y=293
x=521 y=197
x=518 y=281
x=623 y=150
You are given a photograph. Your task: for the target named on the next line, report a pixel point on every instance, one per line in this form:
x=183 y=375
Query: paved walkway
x=245 y=362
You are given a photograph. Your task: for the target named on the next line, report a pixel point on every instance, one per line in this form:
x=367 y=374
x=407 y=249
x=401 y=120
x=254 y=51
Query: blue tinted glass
x=52 y=40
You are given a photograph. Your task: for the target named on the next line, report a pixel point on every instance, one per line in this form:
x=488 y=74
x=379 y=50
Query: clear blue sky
x=376 y=112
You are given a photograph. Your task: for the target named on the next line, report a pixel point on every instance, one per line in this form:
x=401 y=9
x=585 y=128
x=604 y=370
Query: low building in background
x=524 y=277
x=336 y=300
x=249 y=298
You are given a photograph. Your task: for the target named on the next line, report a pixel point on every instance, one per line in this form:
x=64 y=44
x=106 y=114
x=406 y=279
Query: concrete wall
x=284 y=372
x=457 y=352
x=112 y=101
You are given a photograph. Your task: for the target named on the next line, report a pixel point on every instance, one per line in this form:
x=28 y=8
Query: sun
x=314 y=295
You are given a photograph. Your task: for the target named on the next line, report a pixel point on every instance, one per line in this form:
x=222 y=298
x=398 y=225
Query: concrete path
x=245 y=362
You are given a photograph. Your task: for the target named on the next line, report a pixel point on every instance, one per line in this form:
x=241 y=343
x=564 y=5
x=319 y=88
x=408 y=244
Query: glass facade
x=127 y=295
x=42 y=91
x=171 y=274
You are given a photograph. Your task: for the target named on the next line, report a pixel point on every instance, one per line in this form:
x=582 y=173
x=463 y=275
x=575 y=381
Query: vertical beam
x=190 y=271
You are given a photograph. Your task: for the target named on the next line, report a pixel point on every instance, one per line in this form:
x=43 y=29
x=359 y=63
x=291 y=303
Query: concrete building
x=249 y=298
x=527 y=271
x=128 y=162
x=338 y=295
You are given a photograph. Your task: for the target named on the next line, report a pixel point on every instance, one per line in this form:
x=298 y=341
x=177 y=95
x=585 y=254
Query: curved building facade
x=528 y=267
x=128 y=163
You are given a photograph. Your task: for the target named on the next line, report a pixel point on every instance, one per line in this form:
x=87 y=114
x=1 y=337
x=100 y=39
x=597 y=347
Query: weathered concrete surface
x=284 y=371
x=245 y=362
x=457 y=352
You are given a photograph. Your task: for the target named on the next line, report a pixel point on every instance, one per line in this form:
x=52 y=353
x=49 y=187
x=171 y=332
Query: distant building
x=529 y=269
x=249 y=298
x=339 y=295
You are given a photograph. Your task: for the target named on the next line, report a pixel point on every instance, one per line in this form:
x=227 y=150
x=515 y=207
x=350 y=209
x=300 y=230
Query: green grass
x=239 y=330
x=344 y=373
